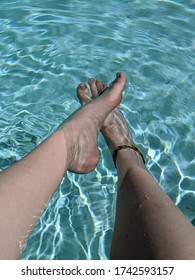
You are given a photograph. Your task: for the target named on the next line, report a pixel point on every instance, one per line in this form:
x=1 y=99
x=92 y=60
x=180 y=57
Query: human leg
x=148 y=225
x=26 y=187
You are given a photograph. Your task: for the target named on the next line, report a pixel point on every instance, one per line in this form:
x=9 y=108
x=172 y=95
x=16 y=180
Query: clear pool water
x=47 y=48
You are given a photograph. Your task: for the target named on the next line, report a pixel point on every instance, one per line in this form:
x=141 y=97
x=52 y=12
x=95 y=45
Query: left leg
x=26 y=187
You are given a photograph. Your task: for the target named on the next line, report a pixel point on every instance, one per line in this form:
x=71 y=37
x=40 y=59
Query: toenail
x=82 y=86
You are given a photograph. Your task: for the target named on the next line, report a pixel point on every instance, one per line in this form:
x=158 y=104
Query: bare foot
x=114 y=127
x=82 y=127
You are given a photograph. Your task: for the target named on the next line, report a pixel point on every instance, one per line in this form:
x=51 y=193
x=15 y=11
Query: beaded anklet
x=125 y=147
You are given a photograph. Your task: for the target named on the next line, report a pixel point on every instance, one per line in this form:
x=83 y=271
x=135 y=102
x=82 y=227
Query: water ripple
x=47 y=49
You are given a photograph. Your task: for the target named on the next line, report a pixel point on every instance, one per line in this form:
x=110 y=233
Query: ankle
x=128 y=157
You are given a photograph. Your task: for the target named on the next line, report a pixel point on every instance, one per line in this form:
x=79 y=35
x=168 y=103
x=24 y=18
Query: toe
x=83 y=94
x=104 y=86
x=114 y=90
x=93 y=88
x=121 y=79
x=100 y=86
x=119 y=83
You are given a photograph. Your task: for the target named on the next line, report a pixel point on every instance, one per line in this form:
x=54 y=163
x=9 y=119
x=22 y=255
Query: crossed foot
x=98 y=112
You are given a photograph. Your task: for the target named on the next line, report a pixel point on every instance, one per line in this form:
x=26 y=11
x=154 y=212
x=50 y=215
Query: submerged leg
x=26 y=187
x=148 y=225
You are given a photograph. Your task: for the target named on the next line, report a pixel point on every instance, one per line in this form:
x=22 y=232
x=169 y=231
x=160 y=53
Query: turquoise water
x=48 y=48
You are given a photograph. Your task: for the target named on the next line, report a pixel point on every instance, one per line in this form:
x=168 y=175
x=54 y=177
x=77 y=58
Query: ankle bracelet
x=125 y=147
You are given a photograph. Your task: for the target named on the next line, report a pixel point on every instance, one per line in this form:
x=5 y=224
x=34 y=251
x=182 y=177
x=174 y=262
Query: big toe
x=83 y=94
x=119 y=83
x=114 y=90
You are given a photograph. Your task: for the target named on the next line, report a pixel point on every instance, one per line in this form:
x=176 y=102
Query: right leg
x=148 y=225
